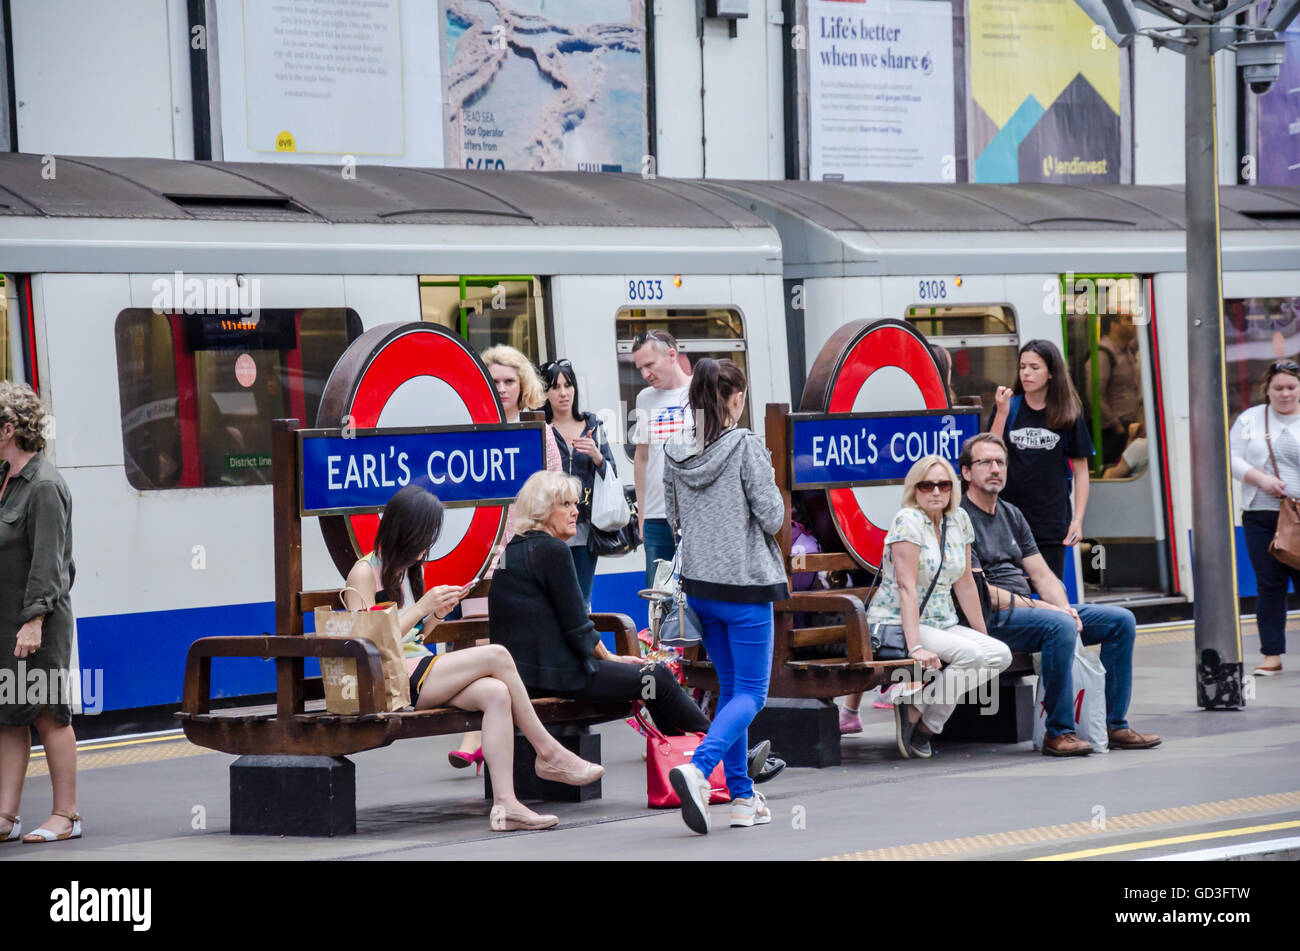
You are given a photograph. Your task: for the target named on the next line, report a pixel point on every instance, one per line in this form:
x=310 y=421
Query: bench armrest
x=288 y=653
x=857 y=638
x=623 y=629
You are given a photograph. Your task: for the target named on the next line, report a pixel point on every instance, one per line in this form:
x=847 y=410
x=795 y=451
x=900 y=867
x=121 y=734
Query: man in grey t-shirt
x=1004 y=547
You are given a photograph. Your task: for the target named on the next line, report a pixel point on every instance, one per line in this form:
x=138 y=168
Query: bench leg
x=293 y=795
x=578 y=739
x=803 y=732
x=1010 y=721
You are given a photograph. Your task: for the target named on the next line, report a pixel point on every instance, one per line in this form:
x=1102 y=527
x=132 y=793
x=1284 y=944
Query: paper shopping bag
x=379 y=626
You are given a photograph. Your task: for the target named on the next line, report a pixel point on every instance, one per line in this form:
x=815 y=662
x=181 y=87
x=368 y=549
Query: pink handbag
x=662 y=753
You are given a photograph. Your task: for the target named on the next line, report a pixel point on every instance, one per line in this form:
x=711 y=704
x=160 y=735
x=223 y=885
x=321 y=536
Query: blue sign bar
x=462 y=465
x=856 y=449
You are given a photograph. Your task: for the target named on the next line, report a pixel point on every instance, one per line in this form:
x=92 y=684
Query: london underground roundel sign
x=880 y=366
x=413 y=375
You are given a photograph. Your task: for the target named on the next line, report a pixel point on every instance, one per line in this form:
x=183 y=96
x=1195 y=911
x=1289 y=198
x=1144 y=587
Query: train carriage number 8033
x=645 y=290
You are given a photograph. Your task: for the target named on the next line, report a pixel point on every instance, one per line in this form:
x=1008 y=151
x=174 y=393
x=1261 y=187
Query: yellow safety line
x=1041 y=835
x=108 y=746
x=1173 y=840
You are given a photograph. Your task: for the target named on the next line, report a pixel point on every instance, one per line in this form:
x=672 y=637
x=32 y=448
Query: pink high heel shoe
x=459 y=759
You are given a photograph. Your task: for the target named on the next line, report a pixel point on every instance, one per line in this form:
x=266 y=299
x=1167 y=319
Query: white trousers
x=970 y=660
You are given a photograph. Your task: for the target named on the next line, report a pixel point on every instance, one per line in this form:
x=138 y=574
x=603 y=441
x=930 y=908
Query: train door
x=490 y=309
x=17 y=342
x=1111 y=347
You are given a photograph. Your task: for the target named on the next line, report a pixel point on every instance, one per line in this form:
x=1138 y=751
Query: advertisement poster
x=1279 y=120
x=316 y=80
x=880 y=91
x=532 y=84
x=1045 y=94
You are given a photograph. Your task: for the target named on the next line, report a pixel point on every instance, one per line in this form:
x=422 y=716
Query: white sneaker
x=693 y=789
x=750 y=812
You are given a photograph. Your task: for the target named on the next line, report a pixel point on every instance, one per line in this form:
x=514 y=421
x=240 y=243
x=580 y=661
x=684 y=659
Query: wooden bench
x=309 y=791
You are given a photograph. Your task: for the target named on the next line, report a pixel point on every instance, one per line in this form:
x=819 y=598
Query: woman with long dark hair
x=721 y=494
x=1265 y=451
x=1048 y=446
x=584 y=454
x=473 y=678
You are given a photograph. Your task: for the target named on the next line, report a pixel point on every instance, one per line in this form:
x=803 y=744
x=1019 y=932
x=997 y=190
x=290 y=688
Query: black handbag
x=888 y=642
x=626 y=539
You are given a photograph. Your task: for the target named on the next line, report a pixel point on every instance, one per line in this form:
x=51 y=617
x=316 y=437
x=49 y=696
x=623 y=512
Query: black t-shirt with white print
x=1038 y=470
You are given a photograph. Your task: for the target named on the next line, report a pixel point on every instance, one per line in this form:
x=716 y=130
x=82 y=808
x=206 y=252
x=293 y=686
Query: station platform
x=1222 y=782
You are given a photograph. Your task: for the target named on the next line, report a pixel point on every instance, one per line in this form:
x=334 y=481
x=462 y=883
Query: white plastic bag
x=1089 y=701
x=609 y=510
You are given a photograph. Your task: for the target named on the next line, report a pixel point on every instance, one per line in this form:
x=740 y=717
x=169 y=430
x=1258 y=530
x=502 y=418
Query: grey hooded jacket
x=726 y=503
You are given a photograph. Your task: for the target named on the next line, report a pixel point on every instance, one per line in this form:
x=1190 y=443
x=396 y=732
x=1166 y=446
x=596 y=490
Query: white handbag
x=609 y=509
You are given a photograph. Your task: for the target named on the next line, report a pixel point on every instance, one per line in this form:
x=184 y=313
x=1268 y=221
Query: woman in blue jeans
x=721 y=493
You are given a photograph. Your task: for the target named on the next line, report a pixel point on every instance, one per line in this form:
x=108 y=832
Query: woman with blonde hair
x=36 y=621
x=926 y=561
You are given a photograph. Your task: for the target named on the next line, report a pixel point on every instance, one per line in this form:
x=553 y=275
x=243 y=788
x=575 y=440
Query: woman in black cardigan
x=536 y=611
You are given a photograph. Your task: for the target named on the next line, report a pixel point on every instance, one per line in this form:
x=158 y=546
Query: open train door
x=1112 y=349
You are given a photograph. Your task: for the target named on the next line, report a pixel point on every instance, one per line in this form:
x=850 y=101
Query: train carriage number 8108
x=645 y=290
x=932 y=290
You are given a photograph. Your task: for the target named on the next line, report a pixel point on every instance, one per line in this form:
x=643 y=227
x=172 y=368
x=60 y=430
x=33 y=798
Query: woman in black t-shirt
x=1046 y=434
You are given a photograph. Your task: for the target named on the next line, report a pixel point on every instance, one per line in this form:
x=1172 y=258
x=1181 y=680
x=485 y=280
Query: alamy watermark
x=41 y=687
x=211 y=295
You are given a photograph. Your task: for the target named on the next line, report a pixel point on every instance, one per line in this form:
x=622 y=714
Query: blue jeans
x=584 y=563
x=738 y=638
x=1051 y=633
x=660 y=543
x=1272 y=578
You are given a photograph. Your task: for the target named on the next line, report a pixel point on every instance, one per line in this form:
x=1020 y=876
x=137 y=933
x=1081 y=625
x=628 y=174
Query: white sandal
x=37 y=836
x=15 y=827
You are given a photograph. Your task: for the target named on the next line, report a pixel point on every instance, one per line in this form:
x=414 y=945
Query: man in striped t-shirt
x=661 y=412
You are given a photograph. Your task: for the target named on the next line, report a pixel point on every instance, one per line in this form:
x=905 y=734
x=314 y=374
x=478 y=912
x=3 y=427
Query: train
x=128 y=285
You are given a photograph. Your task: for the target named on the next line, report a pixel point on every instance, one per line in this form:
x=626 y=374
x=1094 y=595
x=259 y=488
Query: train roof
x=147 y=214
x=852 y=228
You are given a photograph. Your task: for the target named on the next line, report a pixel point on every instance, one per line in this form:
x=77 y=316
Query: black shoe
x=758 y=758
x=771 y=769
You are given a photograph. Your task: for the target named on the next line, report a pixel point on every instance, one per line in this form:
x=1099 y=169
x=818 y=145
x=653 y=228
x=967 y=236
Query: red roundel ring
x=886 y=366
x=416 y=374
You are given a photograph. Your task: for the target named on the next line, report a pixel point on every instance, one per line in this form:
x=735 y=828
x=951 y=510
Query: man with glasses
x=1005 y=548
x=661 y=411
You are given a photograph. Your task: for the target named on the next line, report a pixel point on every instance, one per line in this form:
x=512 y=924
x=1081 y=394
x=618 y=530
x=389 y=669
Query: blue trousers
x=1051 y=634
x=738 y=638
x=584 y=563
x=660 y=543
x=1272 y=579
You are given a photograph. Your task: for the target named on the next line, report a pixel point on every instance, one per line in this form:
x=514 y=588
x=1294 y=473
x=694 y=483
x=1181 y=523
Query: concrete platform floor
x=1220 y=778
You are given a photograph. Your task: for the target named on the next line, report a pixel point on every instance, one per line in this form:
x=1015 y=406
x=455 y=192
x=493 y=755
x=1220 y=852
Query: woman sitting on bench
x=474 y=678
x=536 y=610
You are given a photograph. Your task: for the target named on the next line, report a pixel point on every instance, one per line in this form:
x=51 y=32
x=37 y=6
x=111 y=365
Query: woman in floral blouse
x=931 y=510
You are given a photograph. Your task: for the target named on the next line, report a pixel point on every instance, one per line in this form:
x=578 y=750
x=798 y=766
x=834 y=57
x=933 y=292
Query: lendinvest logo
x=103 y=905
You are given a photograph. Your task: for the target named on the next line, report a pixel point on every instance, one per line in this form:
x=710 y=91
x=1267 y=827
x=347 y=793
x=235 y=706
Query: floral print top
x=913 y=525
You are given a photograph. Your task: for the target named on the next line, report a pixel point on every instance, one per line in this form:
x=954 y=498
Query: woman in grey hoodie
x=721 y=495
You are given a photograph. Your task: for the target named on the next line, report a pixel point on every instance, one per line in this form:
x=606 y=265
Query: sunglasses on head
x=552 y=370
x=639 y=340
x=927 y=486
x=1284 y=366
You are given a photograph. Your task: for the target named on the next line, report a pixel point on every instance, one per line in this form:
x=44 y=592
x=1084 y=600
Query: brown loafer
x=1130 y=739
x=1067 y=744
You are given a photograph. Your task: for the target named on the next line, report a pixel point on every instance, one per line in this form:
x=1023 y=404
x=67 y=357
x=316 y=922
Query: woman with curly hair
x=36 y=620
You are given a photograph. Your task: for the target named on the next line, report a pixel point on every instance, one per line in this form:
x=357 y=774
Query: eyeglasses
x=927 y=486
x=662 y=336
x=999 y=463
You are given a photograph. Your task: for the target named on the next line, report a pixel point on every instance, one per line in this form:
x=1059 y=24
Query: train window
x=981 y=341
x=487 y=310
x=198 y=391
x=1256 y=331
x=704 y=332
